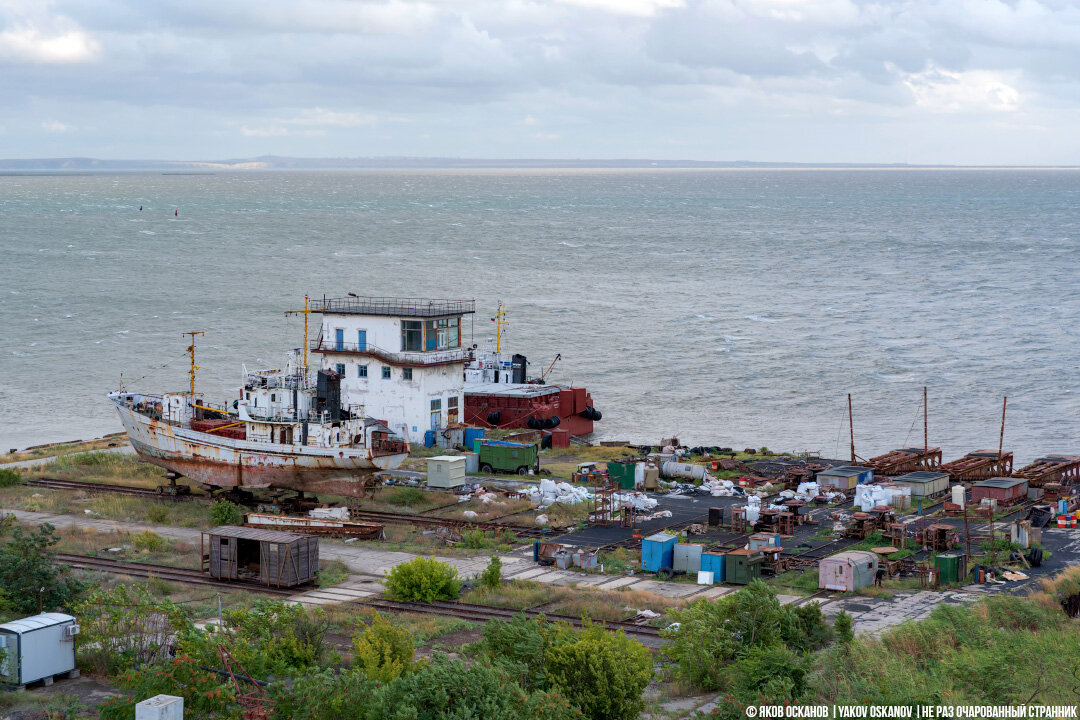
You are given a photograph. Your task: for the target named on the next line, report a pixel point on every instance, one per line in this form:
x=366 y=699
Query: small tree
x=323 y=695
x=382 y=651
x=223 y=512
x=423 y=579
x=602 y=673
x=844 y=626
x=523 y=642
x=774 y=672
x=492 y=575
x=125 y=626
x=28 y=576
x=9 y=477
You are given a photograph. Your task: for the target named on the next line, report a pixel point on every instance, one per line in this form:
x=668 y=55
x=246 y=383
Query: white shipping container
x=37 y=648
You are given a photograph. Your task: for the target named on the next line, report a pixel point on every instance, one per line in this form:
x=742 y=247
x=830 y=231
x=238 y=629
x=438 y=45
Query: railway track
x=92 y=487
x=466 y=611
x=426 y=521
x=146 y=571
x=483 y=613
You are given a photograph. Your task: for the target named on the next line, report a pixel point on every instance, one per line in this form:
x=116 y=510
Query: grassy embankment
x=58 y=449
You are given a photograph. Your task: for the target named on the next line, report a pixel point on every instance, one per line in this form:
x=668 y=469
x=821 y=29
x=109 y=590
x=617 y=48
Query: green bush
x=549 y=705
x=602 y=673
x=323 y=695
x=205 y=694
x=492 y=575
x=158 y=515
x=423 y=579
x=773 y=671
x=451 y=690
x=29 y=578
x=844 y=626
x=9 y=477
x=713 y=635
x=270 y=638
x=523 y=642
x=223 y=512
x=125 y=626
x=150 y=542
x=382 y=651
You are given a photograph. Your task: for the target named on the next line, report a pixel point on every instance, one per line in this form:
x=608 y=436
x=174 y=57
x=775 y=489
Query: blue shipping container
x=658 y=551
x=714 y=562
x=472 y=434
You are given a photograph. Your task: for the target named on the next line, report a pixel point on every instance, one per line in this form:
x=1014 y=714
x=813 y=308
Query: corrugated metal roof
x=845 y=470
x=854 y=556
x=1000 y=482
x=274 y=536
x=35 y=622
x=921 y=476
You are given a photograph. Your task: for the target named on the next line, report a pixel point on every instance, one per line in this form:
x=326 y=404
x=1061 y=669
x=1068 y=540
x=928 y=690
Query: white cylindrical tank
x=959 y=494
x=683 y=470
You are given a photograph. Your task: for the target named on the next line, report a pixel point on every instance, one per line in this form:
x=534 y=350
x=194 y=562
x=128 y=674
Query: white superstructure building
x=402 y=359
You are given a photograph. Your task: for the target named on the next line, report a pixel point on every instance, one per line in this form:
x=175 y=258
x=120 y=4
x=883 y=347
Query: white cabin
x=401 y=358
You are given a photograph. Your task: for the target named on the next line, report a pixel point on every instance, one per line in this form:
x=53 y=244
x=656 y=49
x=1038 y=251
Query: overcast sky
x=951 y=81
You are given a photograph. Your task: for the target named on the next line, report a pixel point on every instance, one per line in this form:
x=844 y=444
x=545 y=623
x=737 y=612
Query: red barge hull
x=506 y=405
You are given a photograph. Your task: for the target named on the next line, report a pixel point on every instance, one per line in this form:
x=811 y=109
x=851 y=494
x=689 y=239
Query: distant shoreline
x=73 y=166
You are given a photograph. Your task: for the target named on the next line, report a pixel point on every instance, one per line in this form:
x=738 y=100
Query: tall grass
x=1003 y=650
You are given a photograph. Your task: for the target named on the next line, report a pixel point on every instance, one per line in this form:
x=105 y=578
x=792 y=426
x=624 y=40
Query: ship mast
x=194 y=367
x=305 y=312
x=499 y=323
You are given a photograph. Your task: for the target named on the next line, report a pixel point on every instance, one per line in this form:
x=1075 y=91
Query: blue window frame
x=339 y=339
x=406 y=373
x=386 y=372
x=361 y=340
x=340 y=367
x=361 y=371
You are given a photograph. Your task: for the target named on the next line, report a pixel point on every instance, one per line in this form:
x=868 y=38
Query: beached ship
x=283 y=432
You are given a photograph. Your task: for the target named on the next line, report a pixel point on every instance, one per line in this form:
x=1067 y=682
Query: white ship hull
x=231 y=463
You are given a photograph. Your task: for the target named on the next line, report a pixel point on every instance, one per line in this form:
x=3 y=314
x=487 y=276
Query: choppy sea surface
x=729 y=307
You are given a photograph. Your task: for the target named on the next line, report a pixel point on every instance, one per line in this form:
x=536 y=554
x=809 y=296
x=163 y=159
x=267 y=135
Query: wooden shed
x=1006 y=490
x=847 y=571
x=924 y=483
x=270 y=557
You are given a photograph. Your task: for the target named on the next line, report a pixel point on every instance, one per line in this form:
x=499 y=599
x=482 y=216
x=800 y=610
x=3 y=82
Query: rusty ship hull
x=232 y=463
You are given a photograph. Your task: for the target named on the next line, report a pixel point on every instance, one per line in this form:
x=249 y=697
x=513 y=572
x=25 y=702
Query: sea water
x=725 y=307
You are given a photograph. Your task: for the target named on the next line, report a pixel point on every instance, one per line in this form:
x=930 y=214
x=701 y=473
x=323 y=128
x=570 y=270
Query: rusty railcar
x=269 y=557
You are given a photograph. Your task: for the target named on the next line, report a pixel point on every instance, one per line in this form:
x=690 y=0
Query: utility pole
x=194 y=367
x=1001 y=440
x=925 y=422
x=851 y=427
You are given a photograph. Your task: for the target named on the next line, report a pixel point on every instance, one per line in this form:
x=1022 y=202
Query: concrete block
x=160 y=707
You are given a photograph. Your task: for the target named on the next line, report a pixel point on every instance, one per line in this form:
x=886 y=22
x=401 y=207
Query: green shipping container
x=622 y=474
x=742 y=567
x=948 y=568
x=502 y=456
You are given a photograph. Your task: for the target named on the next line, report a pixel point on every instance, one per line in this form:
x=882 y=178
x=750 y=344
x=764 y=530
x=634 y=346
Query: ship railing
x=391 y=357
x=400 y=307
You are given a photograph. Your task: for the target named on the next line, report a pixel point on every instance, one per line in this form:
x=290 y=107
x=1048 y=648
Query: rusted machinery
x=905 y=460
x=862 y=526
x=938 y=537
x=979 y=465
x=1062 y=469
x=865 y=524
